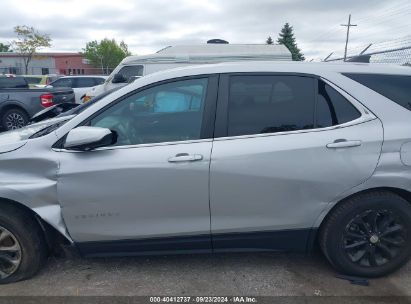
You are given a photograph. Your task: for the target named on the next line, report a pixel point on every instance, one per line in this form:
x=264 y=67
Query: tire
x=368 y=235
x=14 y=118
x=20 y=232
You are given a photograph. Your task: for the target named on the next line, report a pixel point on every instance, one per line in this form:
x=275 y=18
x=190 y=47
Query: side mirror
x=132 y=78
x=119 y=78
x=89 y=138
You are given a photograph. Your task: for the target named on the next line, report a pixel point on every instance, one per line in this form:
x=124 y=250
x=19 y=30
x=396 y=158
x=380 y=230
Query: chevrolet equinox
x=259 y=156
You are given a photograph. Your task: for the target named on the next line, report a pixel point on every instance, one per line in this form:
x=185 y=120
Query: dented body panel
x=28 y=175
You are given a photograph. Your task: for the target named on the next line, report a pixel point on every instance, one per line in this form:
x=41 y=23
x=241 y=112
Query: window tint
x=98 y=81
x=395 y=87
x=332 y=108
x=63 y=83
x=131 y=70
x=168 y=112
x=84 y=82
x=267 y=104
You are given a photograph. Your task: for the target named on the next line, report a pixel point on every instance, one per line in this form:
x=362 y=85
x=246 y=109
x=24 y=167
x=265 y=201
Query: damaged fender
x=30 y=178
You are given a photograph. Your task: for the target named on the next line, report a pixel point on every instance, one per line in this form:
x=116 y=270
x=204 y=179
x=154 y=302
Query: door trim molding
x=295 y=240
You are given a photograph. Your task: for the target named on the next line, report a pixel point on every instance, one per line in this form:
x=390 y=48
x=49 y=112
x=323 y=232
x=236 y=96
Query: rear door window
x=269 y=104
x=395 y=87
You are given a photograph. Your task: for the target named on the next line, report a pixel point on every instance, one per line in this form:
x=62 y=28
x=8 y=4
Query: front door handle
x=343 y=143
x=185 y=157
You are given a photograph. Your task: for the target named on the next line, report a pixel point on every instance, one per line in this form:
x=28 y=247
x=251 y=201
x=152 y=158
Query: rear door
x=286 y=146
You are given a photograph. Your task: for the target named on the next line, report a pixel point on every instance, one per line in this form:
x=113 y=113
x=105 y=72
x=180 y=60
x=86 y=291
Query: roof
x=318 y=68
x=226 y=49
x=205 y=53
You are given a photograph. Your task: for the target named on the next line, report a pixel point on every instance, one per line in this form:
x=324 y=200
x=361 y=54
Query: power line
x=393 y=11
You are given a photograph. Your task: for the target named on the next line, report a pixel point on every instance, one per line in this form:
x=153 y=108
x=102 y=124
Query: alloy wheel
x=15 y=121
x=374 y=238
x=10 y=253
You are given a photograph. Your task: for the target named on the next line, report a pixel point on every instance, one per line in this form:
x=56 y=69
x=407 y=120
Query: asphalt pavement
x=231 y=274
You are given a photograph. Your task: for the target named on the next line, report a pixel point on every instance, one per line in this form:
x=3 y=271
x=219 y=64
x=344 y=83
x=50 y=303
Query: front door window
x=165 y=113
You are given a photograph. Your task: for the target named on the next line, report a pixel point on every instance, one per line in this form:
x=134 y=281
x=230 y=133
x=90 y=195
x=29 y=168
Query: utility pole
x=348 y=34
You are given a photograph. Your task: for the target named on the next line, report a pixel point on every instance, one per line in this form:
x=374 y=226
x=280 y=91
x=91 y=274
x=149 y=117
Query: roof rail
x=360 y=58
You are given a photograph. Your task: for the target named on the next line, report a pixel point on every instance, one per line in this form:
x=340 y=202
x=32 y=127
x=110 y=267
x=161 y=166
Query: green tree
x=28 y=41
x=106 y=54
x=269 y=40
x=286 y=37
x=5 y=47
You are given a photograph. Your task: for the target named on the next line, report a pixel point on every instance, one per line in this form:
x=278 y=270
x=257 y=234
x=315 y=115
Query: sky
x=149 y=25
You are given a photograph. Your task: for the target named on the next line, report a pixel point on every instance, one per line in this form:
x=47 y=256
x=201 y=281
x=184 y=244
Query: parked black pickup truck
x=18 y=103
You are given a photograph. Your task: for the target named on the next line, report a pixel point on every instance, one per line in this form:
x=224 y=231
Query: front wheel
x=368 y=235
x=23 y=248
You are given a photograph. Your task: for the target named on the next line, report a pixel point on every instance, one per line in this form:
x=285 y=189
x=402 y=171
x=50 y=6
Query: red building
x=73 y=64
x=47 y=63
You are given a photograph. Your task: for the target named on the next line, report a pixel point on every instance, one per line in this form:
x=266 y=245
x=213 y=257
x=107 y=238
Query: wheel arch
x=405 y=194
x=13 y=104
x=43 y=217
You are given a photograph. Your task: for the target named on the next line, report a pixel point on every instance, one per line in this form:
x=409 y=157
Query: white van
x=184 y=55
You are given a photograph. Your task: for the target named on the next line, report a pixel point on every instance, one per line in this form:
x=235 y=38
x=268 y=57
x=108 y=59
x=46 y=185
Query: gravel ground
x=252 y=274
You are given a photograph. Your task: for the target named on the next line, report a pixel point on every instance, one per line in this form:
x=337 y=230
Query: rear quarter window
x=395 y=87
x=333 y=108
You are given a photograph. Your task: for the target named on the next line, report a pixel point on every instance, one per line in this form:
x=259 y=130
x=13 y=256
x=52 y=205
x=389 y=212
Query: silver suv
x=227 y=157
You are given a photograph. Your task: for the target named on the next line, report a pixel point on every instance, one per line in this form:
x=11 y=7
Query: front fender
x=32 y=181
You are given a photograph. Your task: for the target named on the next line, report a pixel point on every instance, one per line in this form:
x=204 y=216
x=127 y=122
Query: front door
x=292 y=144
x=149 y=192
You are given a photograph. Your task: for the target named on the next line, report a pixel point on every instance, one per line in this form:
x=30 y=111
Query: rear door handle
x=343 y=143
x=185 y=157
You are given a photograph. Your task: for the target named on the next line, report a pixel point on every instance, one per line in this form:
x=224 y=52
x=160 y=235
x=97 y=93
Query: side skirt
x=295 y=240
x=298 y=240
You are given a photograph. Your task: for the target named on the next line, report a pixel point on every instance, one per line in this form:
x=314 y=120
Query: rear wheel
x=23 y=248
x=368 y=235
x=14 y=118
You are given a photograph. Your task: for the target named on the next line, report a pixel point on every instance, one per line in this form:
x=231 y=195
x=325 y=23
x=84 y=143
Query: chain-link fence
x=399 y=55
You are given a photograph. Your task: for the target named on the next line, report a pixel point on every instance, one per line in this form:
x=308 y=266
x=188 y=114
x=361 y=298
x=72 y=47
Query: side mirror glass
x=89 y=138
x=119 y=78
